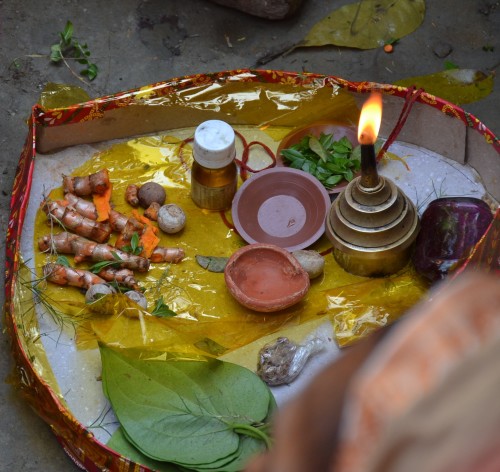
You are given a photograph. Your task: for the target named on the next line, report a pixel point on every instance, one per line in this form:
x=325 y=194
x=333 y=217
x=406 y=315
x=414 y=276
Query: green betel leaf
x=367 y=24
x=458 y=86
x=119 y=443
x=190 y=412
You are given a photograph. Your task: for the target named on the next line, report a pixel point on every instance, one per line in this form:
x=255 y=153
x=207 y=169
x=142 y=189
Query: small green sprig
x=63 y=260
x=98 y=266
x=69 y=47
x=162 y=310
x=134 y=247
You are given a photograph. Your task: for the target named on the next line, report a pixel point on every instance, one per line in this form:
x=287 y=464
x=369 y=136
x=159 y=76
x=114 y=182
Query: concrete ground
x=138 y=42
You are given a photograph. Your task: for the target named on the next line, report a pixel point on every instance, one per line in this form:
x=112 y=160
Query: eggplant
x=450 y=228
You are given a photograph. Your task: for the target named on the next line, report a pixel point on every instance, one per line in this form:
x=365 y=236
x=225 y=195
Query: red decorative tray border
x=78 y=442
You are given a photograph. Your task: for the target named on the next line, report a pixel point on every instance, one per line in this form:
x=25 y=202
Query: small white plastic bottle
x=214 y=174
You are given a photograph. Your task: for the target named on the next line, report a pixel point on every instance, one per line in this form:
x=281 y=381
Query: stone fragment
x=269 y=9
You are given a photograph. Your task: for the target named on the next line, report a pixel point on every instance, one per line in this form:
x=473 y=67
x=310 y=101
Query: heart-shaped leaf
x=189 y=412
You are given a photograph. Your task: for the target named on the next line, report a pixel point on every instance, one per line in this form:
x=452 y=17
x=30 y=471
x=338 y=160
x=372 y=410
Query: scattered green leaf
x=448 y=65
x=134 y=246
x=162 y=310
x=458 y=86
x=199 y=414
x=367 y=24
x=98 y=266
x=328 y=160
x=211 y=347
x=63 y=260
x=70 y=48
x=212 y=263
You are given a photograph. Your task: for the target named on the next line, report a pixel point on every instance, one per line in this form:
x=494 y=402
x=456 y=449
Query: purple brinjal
x=450 y=228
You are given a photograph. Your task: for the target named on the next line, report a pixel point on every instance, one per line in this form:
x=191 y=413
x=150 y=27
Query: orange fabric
x=419 y=356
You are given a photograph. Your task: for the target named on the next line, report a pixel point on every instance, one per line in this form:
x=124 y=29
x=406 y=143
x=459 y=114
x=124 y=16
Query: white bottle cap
x=214 y=145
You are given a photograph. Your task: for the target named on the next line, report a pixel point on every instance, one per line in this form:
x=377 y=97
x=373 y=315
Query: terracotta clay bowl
x=265 y=278
x=339 y=130
x=282 y=206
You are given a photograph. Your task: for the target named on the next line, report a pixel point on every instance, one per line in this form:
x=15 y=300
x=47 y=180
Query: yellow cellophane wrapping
x=209 y=321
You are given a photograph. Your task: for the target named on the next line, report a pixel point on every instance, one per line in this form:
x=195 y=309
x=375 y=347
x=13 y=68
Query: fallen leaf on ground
x=367 y=24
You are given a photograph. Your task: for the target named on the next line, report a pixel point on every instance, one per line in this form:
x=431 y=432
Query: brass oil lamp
x=372 y=224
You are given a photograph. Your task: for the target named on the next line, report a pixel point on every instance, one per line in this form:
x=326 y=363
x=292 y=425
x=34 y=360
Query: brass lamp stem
x=369 y=175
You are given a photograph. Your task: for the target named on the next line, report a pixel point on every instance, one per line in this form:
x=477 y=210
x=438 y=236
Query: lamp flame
x=370 y=118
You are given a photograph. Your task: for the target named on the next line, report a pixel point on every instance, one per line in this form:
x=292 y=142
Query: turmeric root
x=73 y=221
x=62 y=275
x=123 y=277
x=118 y=221
x=131 y=195
x=167 y=254
x=146 y=221
x=152 y=211
x=96 y=183
x=80 y=205
x=102 y=204
x=85 y=250
x=149 y=241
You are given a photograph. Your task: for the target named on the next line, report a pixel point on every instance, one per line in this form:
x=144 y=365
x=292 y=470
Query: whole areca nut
x=151 y=192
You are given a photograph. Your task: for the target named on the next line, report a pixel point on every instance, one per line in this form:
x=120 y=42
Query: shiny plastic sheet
x=263 y=104
x=209 y=321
